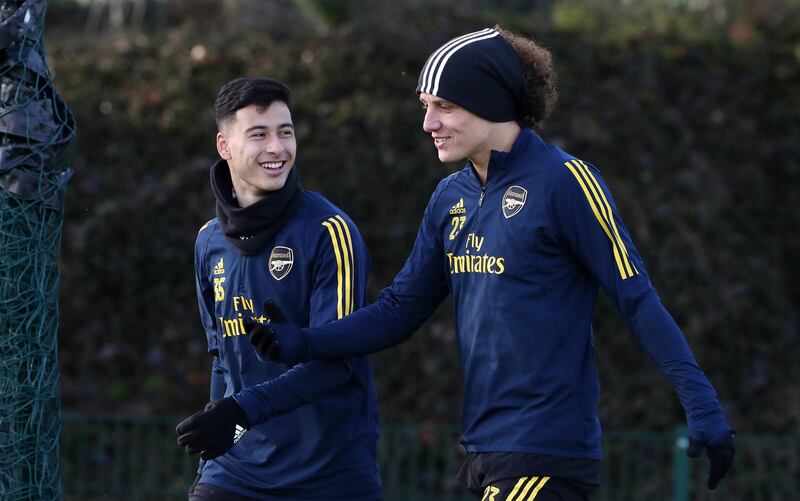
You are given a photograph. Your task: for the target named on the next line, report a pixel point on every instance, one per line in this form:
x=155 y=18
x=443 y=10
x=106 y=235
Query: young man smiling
x=275 y=431
x=259 y=147
x=523 y=237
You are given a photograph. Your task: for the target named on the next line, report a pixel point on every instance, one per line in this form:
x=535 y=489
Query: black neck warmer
x=250 y=228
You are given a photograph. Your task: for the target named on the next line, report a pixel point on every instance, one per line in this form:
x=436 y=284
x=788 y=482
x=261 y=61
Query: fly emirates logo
x=472 y=261
x=235 y=326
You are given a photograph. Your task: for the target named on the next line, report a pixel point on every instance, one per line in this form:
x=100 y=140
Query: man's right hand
x=263 y=338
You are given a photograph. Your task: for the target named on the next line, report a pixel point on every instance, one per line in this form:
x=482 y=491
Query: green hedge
x=697 y=136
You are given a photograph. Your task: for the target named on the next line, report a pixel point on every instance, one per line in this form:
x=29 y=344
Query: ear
x=222 y=146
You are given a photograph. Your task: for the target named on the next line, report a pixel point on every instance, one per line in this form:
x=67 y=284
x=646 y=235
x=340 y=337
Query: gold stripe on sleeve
x=352 y=263
x=610 y=218
x=538 y=488
x=335 y=245
x=346 y=262
x=605 y=209
x=600 y=219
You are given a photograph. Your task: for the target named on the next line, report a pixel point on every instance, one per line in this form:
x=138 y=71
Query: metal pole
x=680 y=465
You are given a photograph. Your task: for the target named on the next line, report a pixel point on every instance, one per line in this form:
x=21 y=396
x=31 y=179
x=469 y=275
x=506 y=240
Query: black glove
x=262 y=336
x=213 y=431
x=721 y=456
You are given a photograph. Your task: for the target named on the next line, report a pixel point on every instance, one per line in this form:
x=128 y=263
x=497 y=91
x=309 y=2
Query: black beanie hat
x=478 y=71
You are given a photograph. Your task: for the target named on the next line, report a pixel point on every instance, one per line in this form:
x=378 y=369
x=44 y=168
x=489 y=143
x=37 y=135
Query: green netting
x=35 y=128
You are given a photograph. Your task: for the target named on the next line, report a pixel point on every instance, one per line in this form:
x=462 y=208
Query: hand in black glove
x=262 y=336
x=213 y=431
x=720 y=453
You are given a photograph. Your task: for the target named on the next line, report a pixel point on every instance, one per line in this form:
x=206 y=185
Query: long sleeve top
x=314 y=426
x=524 y=256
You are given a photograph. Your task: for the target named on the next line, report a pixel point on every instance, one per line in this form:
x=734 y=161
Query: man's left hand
x=279 y=340
x=213 y=431
x=720 y=454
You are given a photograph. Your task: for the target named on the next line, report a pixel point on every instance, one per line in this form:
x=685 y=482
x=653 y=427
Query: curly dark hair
x=541 y=79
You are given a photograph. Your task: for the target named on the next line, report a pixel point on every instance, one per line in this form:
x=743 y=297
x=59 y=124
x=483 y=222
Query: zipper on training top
x=477 y=221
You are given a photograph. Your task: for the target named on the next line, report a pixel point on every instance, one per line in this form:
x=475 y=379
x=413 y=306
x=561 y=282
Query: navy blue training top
x=314 y=426
x=524 y=256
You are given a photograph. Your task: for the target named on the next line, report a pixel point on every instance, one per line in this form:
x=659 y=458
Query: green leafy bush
x=698 y=138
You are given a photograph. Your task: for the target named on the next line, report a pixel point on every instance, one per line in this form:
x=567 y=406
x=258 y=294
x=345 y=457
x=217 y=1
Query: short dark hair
x=243 y=92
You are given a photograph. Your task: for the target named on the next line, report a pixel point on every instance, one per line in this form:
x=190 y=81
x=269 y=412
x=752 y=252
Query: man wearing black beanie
x=523 y=237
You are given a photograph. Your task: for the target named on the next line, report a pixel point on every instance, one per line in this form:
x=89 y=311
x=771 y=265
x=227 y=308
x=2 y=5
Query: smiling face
x=457 y=133
x=260 y=146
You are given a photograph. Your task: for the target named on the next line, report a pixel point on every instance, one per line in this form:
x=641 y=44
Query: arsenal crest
x=280 y=262
x=513 y=200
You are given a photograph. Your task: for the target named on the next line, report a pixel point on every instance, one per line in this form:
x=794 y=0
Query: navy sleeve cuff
x=293 y=347
x=256 y=409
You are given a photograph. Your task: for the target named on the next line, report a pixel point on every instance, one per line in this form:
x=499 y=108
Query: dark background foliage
x=690 y=113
